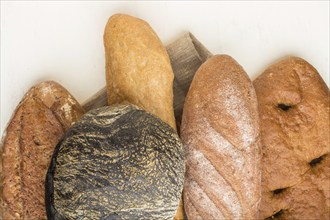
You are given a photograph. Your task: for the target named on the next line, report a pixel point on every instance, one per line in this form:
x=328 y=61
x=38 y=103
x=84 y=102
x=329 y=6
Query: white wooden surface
x=63 y=41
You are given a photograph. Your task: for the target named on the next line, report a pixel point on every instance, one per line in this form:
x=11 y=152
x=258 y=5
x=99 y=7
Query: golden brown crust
x=138 y=69
x=38 y=123
x=294 y=115
x=220 y=133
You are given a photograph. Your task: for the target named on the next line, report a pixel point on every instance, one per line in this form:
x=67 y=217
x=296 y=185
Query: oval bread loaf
x=294 y=120
x=138 y=70
x=38 y=123
x=220 y=133
x=117 y=162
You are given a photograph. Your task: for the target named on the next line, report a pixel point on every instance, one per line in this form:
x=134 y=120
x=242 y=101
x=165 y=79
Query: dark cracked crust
x=117 y=162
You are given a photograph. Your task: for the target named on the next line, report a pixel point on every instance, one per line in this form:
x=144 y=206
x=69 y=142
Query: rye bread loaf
x=117 y=162
x=43 y=115
x=294 y=120
x=138 y=70
x=220 y=134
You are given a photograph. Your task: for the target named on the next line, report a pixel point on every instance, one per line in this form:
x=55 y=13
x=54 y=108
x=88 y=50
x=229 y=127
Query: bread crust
x=138 y=68
x=117 y=162
x=44 y=114
x=294 y=120
x=220 y=133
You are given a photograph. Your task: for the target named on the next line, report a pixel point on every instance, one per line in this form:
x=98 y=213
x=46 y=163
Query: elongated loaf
x=138 y=70
x=220 y=133
x=44 y=114
x=294 y=120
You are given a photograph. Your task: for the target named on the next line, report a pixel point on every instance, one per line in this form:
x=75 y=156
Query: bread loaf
x=117 y=162
x=220 y=133
x=294 y=120
x=138 y=70
x=44 y=114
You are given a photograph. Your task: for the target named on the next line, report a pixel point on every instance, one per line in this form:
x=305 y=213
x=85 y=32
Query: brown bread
x=220 y=133
x=38 y=123
x=294 y=120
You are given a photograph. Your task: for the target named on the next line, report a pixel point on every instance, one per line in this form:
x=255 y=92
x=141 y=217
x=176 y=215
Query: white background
x=63 y=41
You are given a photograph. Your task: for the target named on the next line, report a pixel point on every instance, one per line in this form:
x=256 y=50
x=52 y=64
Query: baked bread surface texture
x=294 y=120
x=43 y=115
x=220 y=134
x=138 y=68
x=117 y=162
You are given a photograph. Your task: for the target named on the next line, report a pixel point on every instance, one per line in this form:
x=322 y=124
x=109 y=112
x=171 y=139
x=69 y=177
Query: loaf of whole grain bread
x=38 y=123
x=220 y=133
x=138 y=71
x=294 y=120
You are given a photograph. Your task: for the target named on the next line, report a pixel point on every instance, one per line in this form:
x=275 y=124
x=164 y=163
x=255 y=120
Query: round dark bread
x=116 y=162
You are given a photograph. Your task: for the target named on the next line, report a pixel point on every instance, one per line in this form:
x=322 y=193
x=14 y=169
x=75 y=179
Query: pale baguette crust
x=220 y=133
x=138 y=68
x=38 y=123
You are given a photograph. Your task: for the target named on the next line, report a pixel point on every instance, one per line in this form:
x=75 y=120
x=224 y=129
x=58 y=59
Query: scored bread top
x=220 y=133
x=294 y=112
x=294 y=121
x=38 y=123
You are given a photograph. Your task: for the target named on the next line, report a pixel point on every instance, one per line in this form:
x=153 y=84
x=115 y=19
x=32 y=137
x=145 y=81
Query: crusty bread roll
x=294 y=121
x=117 y=162
x=220 y=133
x=138 y=70
x=46 y=111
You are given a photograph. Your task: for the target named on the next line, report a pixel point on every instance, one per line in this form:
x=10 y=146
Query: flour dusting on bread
x=220 y=134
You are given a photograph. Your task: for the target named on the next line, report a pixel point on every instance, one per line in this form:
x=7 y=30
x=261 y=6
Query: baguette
x=138 y=68
x=220 y=133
